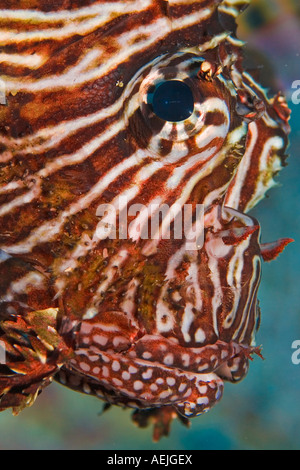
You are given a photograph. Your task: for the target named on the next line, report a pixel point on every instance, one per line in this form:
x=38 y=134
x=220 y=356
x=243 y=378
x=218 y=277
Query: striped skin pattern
x=141 y=322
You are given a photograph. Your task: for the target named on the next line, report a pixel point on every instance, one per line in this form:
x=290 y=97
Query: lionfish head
x=132 y=144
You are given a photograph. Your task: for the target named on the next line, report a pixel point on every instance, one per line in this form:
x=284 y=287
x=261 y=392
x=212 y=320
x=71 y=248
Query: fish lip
x=190 y=356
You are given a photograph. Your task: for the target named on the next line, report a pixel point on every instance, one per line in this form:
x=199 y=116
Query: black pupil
x=172 y=101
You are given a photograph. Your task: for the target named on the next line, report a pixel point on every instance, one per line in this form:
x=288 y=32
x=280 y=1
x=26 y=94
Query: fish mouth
x=157 y=372
x=219 y=357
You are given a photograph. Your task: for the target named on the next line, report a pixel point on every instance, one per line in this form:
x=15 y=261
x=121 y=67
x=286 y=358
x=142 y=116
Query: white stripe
x=22 y=200
x=98 y=8
x=187 y=321
x=180 y=171
x=236 y=265
x=234 y=274
x=251 y=295
x=193 y=280
x=86 y=151
x=32 y=61
x=83 y=28
x=178 y=256
x=109 y=274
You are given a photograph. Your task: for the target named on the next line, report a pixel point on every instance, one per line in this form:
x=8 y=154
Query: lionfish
x=131 y=110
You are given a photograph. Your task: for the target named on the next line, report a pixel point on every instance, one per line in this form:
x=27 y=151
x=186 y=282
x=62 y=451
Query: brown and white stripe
x=77 y=131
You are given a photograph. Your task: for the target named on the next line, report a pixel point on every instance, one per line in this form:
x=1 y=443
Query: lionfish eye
x=172 y=111
x=171 y=100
